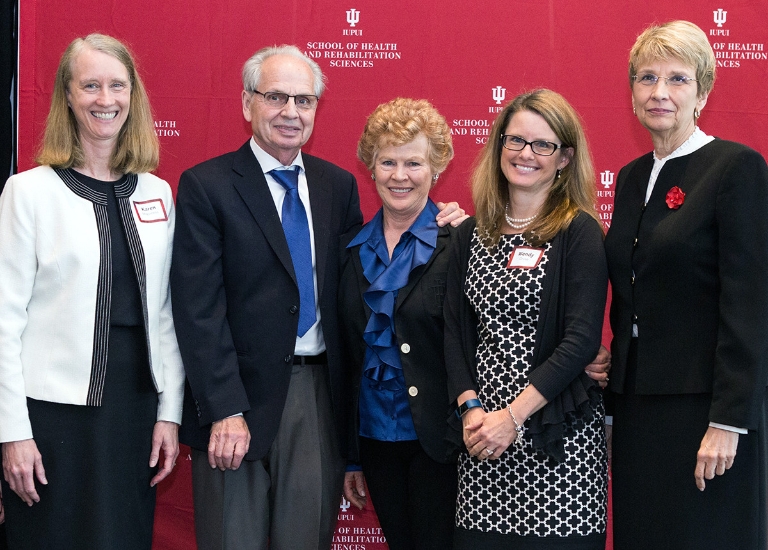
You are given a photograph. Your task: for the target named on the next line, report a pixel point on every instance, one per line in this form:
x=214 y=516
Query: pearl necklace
x=518 y=223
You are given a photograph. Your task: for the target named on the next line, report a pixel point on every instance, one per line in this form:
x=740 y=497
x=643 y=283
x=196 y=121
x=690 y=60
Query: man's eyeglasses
x=540 y=147
x=277 y=100
x=650 y=79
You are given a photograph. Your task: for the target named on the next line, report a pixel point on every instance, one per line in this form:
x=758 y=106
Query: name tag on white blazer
x=151 y=211
x=525 y=257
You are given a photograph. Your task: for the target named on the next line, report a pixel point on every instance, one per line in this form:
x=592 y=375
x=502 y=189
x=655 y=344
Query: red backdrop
x=467 y=58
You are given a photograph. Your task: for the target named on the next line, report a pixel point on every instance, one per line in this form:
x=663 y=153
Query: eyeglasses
x=277 y=100
x=650 y=79
x=540 y=147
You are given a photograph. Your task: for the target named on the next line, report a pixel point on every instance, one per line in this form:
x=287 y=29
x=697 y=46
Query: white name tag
x=525 y=257
x=151 y=211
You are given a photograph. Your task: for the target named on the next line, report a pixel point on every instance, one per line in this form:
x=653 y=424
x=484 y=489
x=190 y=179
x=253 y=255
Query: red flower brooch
x=675 y=198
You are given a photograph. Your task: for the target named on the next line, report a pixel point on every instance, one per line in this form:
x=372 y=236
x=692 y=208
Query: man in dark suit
x=254 y=286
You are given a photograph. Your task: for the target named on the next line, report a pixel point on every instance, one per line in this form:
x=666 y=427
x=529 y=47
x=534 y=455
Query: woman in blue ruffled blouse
x=391 y=303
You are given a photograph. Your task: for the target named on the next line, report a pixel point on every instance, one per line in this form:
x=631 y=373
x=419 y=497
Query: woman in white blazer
x=91 y=379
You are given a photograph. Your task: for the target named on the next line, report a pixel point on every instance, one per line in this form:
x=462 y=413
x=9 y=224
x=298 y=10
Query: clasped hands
x=488 y=434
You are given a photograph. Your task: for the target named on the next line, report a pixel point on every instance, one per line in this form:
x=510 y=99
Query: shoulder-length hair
x=574 y=190
x=137 y=149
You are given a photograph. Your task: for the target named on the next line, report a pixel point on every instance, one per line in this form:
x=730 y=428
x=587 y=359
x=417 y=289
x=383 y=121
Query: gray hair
x=252 y=67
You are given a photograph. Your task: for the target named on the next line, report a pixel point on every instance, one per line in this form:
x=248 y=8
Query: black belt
x=321 y=359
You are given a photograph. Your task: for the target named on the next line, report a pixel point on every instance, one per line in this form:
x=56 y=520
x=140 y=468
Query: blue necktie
x=296 y=228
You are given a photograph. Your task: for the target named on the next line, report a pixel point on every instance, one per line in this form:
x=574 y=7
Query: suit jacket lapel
x=362 y=282
x=320 y=196
x=252 y=187
x=416 y=274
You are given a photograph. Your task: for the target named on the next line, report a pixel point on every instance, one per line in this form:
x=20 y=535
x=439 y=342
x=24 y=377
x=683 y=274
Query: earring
x=696 y=114
x=434 y=178
x=634 y=111
x=557 y=174
x=373 y=177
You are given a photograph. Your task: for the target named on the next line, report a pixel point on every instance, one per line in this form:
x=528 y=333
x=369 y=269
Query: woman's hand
x=165 y=436
x=354 y=489
x=450 y=213
x=599 y=368
x=716 y=454
x=487 y=435
x=22 y=463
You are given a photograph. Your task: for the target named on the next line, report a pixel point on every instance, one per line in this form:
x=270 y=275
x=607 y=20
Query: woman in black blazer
x=688 y=261
x=391 y=306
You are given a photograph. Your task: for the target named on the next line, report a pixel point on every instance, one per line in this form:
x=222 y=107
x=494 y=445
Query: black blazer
x=235 y=296
x=700 y=288
x=419 y=327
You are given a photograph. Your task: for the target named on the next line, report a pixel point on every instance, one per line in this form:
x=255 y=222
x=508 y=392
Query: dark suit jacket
x=700 y=290
x=235 y=297
x=419 y=325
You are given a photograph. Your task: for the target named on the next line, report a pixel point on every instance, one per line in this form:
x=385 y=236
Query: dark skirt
x=656 y=503
x=96 y=460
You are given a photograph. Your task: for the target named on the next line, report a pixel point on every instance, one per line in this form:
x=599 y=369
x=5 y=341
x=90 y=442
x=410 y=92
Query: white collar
x=268 y=162
x=696 y=141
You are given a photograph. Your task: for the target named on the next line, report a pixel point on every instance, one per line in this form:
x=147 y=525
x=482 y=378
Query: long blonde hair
x=137 y=149
x=574 y=190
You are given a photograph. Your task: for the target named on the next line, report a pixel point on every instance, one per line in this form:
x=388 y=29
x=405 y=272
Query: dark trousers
x=290 y=499
x=414 y=496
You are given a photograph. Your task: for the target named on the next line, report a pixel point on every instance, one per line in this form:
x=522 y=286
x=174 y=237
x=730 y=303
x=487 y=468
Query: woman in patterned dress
x=524 y=310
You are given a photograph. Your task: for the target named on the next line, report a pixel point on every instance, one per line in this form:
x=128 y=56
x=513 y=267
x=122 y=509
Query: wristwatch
x=468 y=404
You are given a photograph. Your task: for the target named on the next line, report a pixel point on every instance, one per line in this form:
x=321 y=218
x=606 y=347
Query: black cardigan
x=568 y=333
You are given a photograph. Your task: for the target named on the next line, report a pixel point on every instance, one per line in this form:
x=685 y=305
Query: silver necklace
x=518 y=223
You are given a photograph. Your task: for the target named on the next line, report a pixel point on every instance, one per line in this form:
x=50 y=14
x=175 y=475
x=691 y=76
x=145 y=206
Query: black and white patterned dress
x=523 y=493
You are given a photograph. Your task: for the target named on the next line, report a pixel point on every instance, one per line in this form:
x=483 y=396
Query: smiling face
x=667 y=111
x=526 y=171
x=99 y=96
x=281 y=131
x=404 y=178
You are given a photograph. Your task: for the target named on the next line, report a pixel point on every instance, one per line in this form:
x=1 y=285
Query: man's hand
x=230 y=439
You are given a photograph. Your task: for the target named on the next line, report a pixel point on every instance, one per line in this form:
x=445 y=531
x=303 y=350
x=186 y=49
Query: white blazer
x=49 y=267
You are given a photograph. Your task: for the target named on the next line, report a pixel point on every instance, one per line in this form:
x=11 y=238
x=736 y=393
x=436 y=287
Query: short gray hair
x=252 y=67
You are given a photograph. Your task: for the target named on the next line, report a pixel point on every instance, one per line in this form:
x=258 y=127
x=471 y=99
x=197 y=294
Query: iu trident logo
x=344 y=506
x=720 y=17
x=353 y=17
x=606 y=178
x=499 y=94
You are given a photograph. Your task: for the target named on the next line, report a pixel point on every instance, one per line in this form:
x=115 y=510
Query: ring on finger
x=490 y=451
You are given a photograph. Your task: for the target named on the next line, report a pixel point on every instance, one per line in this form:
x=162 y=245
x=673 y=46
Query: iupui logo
x=353 y=17
x=499 y=94
x=606 y=178
x=720 y=16
x=344 y=504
